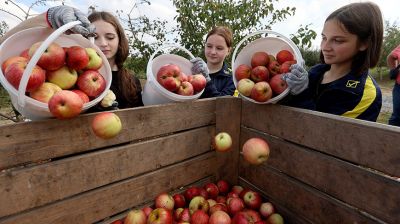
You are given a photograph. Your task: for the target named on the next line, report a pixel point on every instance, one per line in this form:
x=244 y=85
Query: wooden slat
x=39 y=185
x=41 y=140
x=365 y=143
x=228 y=120
x=103 y=202
x=300 y=198
x=335 y=177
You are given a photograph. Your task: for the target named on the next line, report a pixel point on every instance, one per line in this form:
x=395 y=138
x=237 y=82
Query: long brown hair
x=365 y=21
x=126 y=83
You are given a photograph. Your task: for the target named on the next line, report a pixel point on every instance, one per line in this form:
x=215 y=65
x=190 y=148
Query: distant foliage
x=391 y=40
x=3 y=28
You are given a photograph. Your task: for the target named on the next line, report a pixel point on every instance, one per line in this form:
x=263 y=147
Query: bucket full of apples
x=169 y=78
x=259 y=65
x=50 y=74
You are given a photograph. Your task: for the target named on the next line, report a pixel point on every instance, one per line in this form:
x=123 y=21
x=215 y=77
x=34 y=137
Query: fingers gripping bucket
x=272 y=44
x=27 y=106
x=153 y=92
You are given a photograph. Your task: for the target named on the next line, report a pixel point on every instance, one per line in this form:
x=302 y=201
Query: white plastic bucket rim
x=153 y=92
x=279 y=41
x=27 y=106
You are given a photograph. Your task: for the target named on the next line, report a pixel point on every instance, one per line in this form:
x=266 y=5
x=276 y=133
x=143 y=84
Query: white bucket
x=153 y=92
x=27 y=106
x=271 y=44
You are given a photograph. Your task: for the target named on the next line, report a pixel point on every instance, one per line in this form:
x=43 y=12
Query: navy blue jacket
x=221 y=84
x=350 y=96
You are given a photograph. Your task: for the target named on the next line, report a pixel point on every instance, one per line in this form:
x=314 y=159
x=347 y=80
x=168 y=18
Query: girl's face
x=216 y=49
x=106 y=38
x=338 y=45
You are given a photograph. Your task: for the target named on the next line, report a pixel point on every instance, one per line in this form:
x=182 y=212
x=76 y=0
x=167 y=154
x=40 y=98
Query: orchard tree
x=3 y=28
x=196 y=18
x=22 y=13
x=391 y=40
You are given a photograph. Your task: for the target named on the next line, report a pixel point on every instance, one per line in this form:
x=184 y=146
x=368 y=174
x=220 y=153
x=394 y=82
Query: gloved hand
x=199 y=66
x=109 y=101
x=61 y=15
x=297 y=79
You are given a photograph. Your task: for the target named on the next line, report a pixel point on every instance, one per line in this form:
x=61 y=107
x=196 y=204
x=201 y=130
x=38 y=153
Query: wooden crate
x=322 y=168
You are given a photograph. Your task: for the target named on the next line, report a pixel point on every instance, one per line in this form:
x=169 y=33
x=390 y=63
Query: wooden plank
x=336 y=177
x=41 y=140
x=105 y=201
x=365 y=143
x=36 y=186
x=228 y=120
x=302 y=199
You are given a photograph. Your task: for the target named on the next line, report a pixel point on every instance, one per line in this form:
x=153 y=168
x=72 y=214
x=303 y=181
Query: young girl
x=351 y=44
x=393 y=62
x=218 y=46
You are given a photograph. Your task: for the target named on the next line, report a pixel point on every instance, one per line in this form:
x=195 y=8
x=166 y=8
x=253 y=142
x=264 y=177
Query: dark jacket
x=122 y=103
x=350 y=96
x=221 y=84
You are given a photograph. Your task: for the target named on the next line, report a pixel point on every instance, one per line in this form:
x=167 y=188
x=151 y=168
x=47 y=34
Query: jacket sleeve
x=211 y=90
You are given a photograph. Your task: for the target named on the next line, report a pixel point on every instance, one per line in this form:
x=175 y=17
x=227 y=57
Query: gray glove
x=60 y=15
x=199 y=66
x=297 y=79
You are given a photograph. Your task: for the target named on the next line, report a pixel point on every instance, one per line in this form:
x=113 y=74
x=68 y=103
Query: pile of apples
x=171 y=77
x=211 y=204
x=261 y=80
x=64 y=77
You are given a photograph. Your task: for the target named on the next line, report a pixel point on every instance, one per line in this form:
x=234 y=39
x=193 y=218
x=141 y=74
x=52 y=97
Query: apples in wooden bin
x=212 y=203
x=261 y=79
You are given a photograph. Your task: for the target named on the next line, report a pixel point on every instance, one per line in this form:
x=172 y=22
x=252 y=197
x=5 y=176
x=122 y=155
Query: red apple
x=185 y=89
x=179 y=200
x=243 y=192
x=203 y=193
x=271 y=58
x=199 y=217
x=82 y=95
x=219 y=217
x=255 y=151
x=95 y=61
x=184 y=216
x=199 y=82
x=245 y=86
x=218 y=207
x=118 y=222
x=242 y=218
x=221 y=199
x=52 y=58
x=278 y=85
x=135 y=216
x=65 y=104
x=261 y=92
x=91 y=82
x=198 y=203
x=275 y=218
x=259 y=59
x=266 y=209
x=222 y=142
x=160 y=216
x=25 y=53
x=45 y=92
x=191 y=192
x=11 y=60
x=184 y=77
x=284 y=55
x=235 y=205
x=76 y=57
x=14 y=73
x=274 y=68
x=211 y=202
x=252 y=200
x=223 y=187
x=243 y=71
x=212 y=190
x=63 y=77
x=253 y=215
x=169 y=77
x=147 y=210
x=285 y=67
x=177 y=213
x=106 y=125
x=237 y=189
x=164 y=200
x=259 y=73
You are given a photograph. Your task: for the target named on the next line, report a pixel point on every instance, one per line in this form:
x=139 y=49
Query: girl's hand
x=199 y=66
x=297 y=79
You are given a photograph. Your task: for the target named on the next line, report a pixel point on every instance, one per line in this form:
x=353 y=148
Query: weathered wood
x=99 y=203
x=369 y=144
x=41 y=140
x=228 y=120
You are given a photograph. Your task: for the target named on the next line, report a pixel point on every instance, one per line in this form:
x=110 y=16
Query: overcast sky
x=311 y=12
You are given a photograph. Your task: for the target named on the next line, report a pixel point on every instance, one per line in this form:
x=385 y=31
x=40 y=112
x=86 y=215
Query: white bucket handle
x=35 y=58
x=289 y=41
x=150 y=63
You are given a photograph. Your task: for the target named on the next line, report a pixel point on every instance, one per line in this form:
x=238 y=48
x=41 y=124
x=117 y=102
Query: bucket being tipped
x=27 y=106
x=153 y=92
